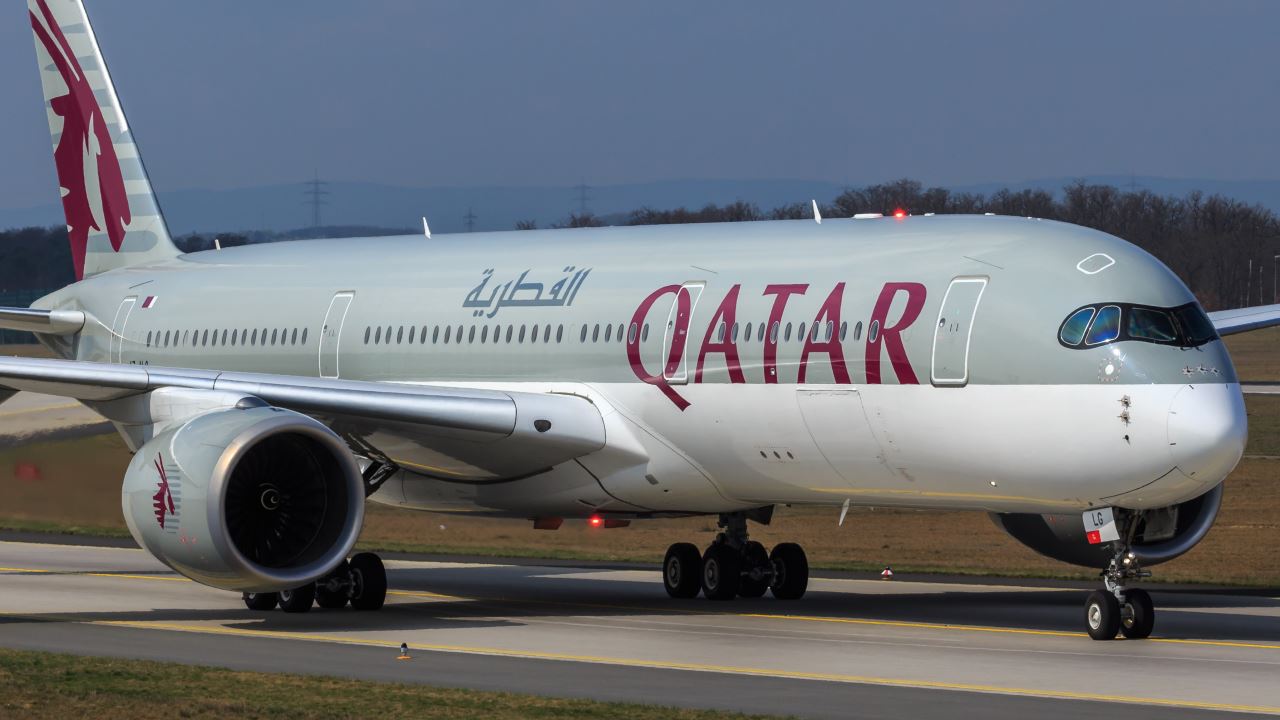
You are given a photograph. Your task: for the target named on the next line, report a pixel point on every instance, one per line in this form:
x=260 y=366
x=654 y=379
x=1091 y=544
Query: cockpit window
x=1102 y=323
x=1072 y=331
x=1151 y=324
x=1105 y=327
x=1196 y=326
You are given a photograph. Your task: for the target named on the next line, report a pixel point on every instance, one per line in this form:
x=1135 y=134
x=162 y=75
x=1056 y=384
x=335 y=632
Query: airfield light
x=899 y=213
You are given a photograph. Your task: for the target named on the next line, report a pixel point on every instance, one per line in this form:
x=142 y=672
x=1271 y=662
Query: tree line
x=1225 y=250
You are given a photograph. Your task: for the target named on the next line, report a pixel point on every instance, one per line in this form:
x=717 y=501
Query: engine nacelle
x=250 y=498
x=1161 y=536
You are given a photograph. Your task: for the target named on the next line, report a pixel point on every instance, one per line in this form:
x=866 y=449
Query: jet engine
x=249 y=498
x=1161 y=535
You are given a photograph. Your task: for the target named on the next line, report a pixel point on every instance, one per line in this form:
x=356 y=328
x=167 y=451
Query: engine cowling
x=250 y=498
x=1161 y=536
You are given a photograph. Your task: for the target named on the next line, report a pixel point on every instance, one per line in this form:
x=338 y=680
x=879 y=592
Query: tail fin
x=112 y=215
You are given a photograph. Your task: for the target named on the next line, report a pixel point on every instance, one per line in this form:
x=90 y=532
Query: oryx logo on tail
x=93 y=190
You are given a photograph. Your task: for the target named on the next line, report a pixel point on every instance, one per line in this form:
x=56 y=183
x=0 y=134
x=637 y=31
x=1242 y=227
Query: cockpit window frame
x=1184 y=339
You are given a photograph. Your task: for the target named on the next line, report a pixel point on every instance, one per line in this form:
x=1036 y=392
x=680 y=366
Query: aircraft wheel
x=260 y=601
x=1102 y=615
x=721 y=572
x=682 y=571
x=299 y=599
x=1138 y=615
x=756 y=570
x=790 y=571
x=331 y=590
x=369 y=580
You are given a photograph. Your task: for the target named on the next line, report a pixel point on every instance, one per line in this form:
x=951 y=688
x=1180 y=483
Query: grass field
x=78 y=490
x=47 y=686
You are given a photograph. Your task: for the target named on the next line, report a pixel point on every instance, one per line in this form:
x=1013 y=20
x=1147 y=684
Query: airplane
x=1058 y=378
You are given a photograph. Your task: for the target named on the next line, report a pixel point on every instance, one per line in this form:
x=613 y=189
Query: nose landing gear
x=1118 y=608
x=735 y=566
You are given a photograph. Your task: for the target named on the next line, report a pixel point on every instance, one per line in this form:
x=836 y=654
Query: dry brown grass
x=39 y=351
x=79 y=487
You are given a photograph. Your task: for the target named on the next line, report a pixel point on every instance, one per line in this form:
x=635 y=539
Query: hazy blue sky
x=231 y=94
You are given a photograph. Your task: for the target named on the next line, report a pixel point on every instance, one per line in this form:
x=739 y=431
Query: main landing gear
x=362 y=581
x=1118 y=608
x=735 y=566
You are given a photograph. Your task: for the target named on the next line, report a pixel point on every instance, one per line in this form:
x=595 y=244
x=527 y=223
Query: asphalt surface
x=32 y=416
x=850 y=648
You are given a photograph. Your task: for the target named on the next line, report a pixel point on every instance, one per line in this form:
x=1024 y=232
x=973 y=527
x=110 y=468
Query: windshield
x=1102 y=323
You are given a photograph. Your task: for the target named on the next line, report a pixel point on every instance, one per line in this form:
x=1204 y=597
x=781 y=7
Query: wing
x=1229 y=322
x=461 y=433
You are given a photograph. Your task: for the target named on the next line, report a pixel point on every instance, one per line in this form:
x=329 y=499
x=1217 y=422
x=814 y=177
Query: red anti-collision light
x=596 y=521
x=899 y=213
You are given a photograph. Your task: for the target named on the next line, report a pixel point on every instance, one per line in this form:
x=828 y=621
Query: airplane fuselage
x=913 y=362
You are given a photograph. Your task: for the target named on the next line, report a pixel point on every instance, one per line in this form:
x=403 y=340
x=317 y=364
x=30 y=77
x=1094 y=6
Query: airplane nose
x=1207 y=430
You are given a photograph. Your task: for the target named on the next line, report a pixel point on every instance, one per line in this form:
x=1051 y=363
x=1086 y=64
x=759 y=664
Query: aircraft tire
x=721 y=572
x=790 y=571
x=1102 y=615
x=682 y=570
x=1140 y=618
x=299 y=599
x=260 y=601
x=753 y=556
x=370 y=580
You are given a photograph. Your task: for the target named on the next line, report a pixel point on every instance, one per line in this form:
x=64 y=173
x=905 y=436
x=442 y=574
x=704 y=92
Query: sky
x=241 y=93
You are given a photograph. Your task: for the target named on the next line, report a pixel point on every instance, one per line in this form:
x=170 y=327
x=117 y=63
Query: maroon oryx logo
x=164 y=496
x=85 y=156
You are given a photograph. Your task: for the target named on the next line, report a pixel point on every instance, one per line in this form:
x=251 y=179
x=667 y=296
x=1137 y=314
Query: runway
x=852 y=647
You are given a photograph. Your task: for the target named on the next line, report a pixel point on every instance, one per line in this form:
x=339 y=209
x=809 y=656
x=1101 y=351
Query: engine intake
x=1162 y=535
x=250 y=498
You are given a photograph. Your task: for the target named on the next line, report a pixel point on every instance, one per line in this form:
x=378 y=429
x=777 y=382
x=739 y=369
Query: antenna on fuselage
x=817 y=215
x=426 y=229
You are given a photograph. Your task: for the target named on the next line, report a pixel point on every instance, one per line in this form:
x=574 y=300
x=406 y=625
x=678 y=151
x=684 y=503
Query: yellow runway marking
x=695 y=612
x=700 y=667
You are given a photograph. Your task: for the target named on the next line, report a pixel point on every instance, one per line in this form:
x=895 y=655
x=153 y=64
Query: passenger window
x=1106 y=326
x=1072 y=331
x=484 y=334
x=377 y=336
x=400 y=335
x=546 y=333
x=224 y=337
x=448 y=331
x=459 y=334
x=559 y=333
x=721 y=330
x=522 y=331
x=873 y=332
x=435 y=335
x=497 y=332
x=584 y=334
x=844 y=330
x=800 y=332
x=619 y=335
x=304 y=336
x=773 y=333
x=760 y=333
x=644 y=334
x=595 y=334
x=234 y=337
x=471 y=334
x=1149 y=324
x=412 y=331
x=510 y=329
x=787 y=335
x=533 y=334
x=608 y=332
x=746 y=334
x=148 y=338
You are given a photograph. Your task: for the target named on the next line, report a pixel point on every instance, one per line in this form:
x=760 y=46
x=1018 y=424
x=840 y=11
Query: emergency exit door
x=331 y=333
x=952 y=334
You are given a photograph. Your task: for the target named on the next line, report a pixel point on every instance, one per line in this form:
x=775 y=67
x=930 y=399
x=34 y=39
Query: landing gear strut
x=1118 y=608
x=362 y=582
x=736 y=566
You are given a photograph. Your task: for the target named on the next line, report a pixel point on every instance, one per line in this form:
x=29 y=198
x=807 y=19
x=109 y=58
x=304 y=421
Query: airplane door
x=675 y=339
x=331 y=333
x=116 y=348
x=952 y=332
